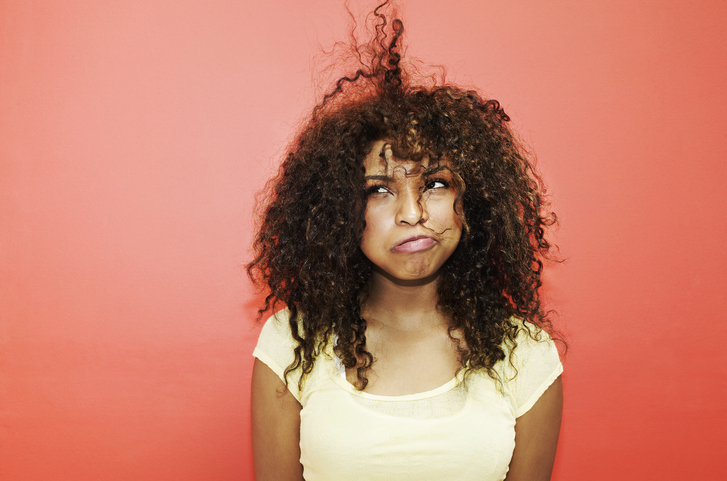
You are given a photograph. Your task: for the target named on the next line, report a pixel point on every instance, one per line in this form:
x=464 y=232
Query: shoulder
x=277 y=328
x=532 y=364
x=276 y=348
x=276 y=333
x=532 y=344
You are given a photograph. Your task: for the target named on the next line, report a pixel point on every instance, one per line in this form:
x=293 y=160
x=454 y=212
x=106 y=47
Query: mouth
x=414 y=244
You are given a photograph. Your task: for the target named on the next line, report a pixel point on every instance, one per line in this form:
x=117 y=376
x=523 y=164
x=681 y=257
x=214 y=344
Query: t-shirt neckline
x=334 y=373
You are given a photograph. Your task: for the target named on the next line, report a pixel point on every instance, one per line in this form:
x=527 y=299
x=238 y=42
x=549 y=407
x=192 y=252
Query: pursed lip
x=414 y=244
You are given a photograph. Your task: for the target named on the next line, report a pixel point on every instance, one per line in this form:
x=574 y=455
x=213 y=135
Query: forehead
x=381 y=160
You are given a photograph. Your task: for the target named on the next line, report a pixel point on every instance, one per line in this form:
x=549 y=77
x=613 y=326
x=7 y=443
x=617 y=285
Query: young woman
x=404 y=235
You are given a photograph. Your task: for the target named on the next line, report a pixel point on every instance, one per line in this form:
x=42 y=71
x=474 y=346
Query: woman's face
x=411 y=226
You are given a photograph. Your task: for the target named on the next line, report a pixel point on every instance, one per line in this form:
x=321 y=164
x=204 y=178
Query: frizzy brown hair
x=307 y=246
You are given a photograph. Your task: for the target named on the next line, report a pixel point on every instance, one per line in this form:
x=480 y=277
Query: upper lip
x=413 y=238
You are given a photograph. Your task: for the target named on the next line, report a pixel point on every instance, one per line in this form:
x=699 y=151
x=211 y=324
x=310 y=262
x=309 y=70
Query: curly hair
x=307 y=248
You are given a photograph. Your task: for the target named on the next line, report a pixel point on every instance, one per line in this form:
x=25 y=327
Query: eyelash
x=381 y=189
x=376 y=189
x=430 y=184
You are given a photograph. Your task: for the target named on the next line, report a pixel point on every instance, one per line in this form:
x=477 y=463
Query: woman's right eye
x=376 y=189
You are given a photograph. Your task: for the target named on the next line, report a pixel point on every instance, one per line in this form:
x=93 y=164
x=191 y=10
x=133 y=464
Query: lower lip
x=414 y=246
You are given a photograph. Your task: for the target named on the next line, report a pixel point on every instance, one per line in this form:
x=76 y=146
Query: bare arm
x=275 y=428
x=536 y=437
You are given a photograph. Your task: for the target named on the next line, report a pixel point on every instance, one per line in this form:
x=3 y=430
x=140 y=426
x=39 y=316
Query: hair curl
x=307 y=246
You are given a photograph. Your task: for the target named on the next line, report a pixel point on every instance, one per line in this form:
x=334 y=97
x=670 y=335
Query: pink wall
x=133 y=136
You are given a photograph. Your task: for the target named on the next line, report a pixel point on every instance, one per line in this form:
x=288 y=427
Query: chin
x=409 y=278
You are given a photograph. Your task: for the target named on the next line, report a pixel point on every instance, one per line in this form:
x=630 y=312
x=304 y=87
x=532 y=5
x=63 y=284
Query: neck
x=407 y=305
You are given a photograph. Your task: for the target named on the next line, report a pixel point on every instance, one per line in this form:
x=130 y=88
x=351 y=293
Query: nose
x=410 y=208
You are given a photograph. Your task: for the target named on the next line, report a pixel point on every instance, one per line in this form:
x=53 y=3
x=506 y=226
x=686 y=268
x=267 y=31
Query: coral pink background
x=134 y=135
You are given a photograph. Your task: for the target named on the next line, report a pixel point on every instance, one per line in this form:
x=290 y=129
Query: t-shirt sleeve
x=275 y=348
x=535 y=365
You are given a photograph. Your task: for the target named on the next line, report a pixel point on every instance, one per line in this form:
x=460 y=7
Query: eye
x=436 y=184
x=376 y=189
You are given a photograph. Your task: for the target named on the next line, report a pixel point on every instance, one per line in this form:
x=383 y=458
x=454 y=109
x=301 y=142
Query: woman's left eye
x=437 y=184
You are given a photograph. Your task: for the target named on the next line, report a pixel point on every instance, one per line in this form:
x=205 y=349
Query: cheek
x=375 y=219
x=443 y=215
x=370 y=231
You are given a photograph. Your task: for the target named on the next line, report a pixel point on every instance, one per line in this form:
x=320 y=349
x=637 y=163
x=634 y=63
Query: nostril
x=411 y=211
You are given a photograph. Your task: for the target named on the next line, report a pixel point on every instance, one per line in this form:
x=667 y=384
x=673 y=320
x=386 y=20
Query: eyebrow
x=384 y=178
x=437 y=169
x=426 y=173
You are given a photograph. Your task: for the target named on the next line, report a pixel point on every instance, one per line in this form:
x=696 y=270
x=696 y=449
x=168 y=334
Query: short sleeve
x=275 y=348
x=535 y=365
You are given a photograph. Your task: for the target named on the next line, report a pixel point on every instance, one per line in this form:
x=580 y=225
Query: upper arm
x=275 y=427
x=536 y=437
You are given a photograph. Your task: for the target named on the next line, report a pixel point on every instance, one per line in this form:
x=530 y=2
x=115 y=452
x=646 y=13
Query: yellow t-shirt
x=460 y=431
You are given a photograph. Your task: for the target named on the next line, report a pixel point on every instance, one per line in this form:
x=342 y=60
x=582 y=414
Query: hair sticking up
x=379 y=70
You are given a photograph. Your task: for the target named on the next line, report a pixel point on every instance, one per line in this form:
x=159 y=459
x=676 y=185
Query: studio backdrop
x=135 y=134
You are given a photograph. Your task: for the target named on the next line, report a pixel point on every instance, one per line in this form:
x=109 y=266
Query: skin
x=275 y=427
x=407 y=203
x=411 y=230
x=536 y=437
